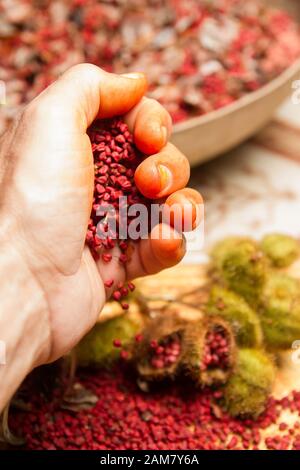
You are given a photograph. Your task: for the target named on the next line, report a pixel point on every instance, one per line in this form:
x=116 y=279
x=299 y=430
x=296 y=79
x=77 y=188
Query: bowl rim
x=282 y=79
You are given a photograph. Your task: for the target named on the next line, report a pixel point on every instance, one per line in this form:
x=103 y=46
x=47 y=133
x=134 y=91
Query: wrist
x=24 y=325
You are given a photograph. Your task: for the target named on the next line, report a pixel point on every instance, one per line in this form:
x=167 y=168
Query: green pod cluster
x=242 y=266
x=282 y=250
x=97 y=347
x=195 y=337
x=280 y=311
x=234 y=309
x=249 y=387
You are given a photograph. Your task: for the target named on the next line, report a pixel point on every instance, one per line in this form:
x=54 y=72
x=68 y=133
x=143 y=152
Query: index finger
x=150 y=124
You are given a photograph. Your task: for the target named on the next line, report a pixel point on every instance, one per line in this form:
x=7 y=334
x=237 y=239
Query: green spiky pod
x=249 y=387
x=244 y=321
x=158 y=353
x=199 y=347
x=282 y=250
x=221 y=248
x=97 y=347
x=280 y=311
x=244 y=269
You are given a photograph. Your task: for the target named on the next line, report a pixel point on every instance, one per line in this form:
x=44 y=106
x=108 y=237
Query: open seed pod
x=250 y=385
x=158 y=353
x=210 y=351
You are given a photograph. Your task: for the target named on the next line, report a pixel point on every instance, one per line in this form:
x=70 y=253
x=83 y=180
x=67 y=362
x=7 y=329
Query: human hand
x=47 y=187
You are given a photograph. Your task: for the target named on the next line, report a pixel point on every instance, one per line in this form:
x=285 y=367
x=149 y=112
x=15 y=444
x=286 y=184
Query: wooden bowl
x=204 y=137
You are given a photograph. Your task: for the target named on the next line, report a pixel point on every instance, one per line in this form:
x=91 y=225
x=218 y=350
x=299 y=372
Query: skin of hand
x=46 y=180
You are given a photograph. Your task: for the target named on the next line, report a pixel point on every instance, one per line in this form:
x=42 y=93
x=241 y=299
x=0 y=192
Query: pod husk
x=158 y=329
x=280 y=311
x=281 y=250
x=194 y=343
x=242 y=267
x=247 y=390
x=233 y=308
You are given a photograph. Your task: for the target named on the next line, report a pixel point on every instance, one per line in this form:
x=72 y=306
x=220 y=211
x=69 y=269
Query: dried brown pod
x=157 y=352
x=210 y=351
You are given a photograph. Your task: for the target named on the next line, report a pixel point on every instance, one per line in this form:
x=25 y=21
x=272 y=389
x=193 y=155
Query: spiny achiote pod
x=280 y=311
x=210 y=351
x=282 y=250
x=157 y=353
x=97 y=347
x=249 y=387
x=222 y=247
x=244 y=270
x=244 y=321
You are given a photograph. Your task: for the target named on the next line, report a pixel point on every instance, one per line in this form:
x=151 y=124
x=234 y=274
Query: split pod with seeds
x=159 y=353
x=210 y=351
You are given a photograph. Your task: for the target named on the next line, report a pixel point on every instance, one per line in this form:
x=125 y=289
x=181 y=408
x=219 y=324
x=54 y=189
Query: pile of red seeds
x=169 y=418
x=115 y=161
x=165 y=353
x=216 y=350
x=198 y=55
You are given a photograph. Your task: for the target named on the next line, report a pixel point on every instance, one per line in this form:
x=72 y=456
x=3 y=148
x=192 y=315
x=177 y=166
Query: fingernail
x=164 y=132
x=165 y=177
x=133 y=75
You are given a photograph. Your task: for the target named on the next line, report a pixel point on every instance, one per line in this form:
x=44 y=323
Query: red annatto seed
x=109 y=283
x=107 y=257
x=117 y=343
x=124 y=354
x=232 y=443
x=139 y=338
x=124 y=305
x=131 y=286
x=123 y=258
x=159 y=350
x=283 y=426
x=123 y=245
x=124 y=291
x=117 y=295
